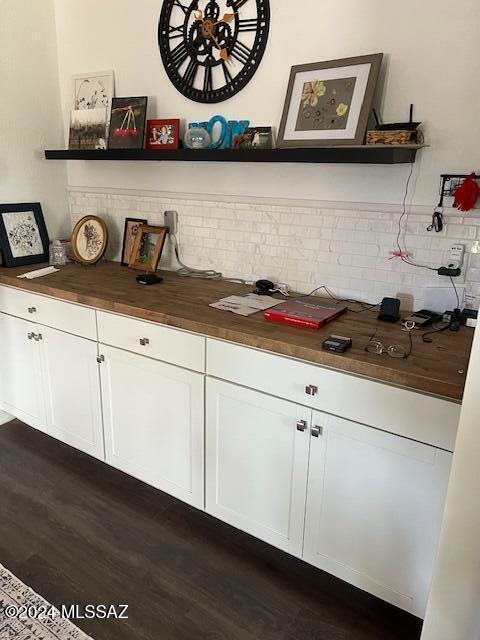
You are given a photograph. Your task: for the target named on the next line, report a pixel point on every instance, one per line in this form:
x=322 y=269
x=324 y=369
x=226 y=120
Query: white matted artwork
x=328 y=103
x=93 y=90
x=23 y=233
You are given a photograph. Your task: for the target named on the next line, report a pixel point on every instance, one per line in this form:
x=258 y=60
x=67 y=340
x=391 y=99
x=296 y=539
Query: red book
x=308 y=312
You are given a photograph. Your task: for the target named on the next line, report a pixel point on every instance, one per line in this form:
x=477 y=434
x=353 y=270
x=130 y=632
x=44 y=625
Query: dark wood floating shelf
x=366 y=154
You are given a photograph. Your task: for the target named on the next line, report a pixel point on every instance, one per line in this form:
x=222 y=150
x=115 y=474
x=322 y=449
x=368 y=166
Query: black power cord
x=452 y=325
x=366 y=306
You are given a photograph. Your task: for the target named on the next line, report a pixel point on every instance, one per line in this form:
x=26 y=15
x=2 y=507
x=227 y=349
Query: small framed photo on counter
x=163 y=134
x=132 y=226
x=148 y=247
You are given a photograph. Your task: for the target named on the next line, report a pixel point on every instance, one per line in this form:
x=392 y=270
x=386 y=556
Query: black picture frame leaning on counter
x=23 y=234
x=132 y=226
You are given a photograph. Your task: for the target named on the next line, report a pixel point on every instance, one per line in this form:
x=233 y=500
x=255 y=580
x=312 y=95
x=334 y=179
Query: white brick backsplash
x=304 y=246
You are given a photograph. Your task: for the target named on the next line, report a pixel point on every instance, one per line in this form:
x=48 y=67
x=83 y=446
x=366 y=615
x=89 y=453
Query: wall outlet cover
x=455 y=259
x=170 y=220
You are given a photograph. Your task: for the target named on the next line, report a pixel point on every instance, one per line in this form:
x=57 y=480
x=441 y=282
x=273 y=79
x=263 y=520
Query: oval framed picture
x=89 y=240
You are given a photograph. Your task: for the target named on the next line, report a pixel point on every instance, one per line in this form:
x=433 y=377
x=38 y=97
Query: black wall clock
x=212 y=48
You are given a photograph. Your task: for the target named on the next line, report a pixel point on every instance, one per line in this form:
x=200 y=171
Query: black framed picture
x=132 y=226
x=23 y=234
x=127 y=123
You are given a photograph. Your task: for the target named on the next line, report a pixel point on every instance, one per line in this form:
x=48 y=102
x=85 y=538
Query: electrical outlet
x=455 y=259
x=170 y=220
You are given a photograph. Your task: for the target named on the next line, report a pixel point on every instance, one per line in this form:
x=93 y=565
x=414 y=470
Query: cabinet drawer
x=53 y=313
x=153 y=340
x=406 y=413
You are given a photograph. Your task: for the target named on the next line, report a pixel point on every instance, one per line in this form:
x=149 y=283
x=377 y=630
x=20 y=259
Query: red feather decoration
x=466 y=195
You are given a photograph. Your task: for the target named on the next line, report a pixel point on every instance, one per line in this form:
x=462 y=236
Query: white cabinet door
x=71 y=383
x=154 y=422
x=374 y=509
x=257 y=463
x=21 y=392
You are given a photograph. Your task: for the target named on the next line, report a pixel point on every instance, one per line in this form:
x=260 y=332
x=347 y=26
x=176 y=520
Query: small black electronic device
x=389 y=310
x=339 y=344
x=264 y=287
x=424 y=318
x=148 y=278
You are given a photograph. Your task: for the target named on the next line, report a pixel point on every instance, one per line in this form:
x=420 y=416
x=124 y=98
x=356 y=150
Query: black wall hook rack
x=450 y=182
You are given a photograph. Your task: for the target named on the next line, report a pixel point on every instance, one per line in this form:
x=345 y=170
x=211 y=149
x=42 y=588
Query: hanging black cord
x=456 y=292
x=405 y=258
x=366 y=306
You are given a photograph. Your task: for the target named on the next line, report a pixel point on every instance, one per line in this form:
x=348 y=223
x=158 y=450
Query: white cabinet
x=72 y=390
x=374 y=509
x=369 y=511
x=50 y=312
x=361 y=502
x=21 y=392
x=399 y=411
x=257 y=460
x=154 y=422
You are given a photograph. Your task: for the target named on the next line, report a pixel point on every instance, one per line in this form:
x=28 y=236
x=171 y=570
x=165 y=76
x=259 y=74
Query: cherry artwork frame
x=127 y=123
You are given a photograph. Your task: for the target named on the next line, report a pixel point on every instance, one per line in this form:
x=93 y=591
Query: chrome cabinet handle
x=37 y=337
x=144 y=341
x=316 y=431
x=302 y=425
x=30 y=336
x=100 y=359
x=32 y=310
x=311 y=390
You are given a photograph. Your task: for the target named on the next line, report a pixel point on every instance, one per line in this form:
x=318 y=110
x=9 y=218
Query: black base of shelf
x=366 y=154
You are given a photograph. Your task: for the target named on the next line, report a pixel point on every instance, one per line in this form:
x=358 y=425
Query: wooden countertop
x=438 y=368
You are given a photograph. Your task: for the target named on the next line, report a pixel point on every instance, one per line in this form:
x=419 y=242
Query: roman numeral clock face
x=212 y=48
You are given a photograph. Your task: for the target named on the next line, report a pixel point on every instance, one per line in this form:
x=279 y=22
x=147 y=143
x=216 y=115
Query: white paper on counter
x=239 y=309
x=260 y=303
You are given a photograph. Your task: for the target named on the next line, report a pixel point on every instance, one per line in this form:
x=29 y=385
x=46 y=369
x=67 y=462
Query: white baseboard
x=5 y=417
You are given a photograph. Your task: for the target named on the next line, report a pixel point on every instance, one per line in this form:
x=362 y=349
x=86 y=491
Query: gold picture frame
x=89 y=240
x=148 y=247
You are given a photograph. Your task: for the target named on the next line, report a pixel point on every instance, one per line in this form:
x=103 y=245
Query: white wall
x=30 y=114
x=453 y=611
x=432 y=60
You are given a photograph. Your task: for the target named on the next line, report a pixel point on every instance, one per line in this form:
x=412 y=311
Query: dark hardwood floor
x=79 y=532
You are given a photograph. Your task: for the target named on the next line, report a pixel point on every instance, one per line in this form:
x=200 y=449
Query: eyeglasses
x=394 y=350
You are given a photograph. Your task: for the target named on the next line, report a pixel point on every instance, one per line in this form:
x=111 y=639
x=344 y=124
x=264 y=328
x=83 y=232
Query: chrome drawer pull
x=302 y=425
x=32 y=310
x=30 y=336
x=311 y=390
x=100 y=359
x=37 y=337
x=316 y=431
x=144 y=341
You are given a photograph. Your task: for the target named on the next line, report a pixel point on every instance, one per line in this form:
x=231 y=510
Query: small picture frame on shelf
x=127 y=123
x=132 y=226
x=23 y=234
x=148 y=247
x=88 y=129
x=93 y=90
x=255 y=138
x=329 y=103
x=163 y=134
